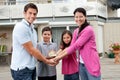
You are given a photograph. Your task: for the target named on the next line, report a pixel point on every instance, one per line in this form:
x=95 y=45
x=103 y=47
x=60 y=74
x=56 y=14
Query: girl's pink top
x=86 y=46
x=69 y=64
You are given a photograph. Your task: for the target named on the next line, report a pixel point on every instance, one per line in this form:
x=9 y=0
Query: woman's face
x=79 y=18
x=66 y=38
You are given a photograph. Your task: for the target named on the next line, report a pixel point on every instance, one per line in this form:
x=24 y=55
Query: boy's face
x=46 y=36
x=30 y=15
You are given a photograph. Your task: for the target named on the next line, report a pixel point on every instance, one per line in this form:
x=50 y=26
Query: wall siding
x=111 y=34
x=8 y=41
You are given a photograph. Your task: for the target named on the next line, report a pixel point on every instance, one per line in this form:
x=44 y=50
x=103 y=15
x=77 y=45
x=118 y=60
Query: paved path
x=110 y=71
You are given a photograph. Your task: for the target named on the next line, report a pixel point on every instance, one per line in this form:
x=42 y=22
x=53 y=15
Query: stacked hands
x=53 y=58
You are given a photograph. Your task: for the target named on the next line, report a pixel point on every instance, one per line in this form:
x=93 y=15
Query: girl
x=69 y=63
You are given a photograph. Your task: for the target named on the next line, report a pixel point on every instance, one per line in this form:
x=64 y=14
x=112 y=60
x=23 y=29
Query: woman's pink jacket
x=86 y=45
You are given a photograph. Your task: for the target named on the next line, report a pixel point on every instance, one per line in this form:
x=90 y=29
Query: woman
x=84 y=42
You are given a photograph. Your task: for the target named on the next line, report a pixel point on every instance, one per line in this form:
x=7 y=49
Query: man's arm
x=36 y=53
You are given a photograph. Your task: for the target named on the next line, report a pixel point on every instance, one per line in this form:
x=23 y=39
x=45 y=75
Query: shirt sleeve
x=22 y=33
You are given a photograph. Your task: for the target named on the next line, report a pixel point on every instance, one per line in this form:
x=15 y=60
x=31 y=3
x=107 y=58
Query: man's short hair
x=30 y=5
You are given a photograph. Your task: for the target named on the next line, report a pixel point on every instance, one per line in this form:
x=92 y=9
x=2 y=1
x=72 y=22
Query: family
x=27 y=51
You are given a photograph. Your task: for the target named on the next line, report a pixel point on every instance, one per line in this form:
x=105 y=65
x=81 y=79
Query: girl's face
x=66 y=38
x=79 y=18
x=46 y=36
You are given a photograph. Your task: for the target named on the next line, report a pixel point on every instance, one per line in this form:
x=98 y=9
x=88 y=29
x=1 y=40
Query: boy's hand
x=51 y=62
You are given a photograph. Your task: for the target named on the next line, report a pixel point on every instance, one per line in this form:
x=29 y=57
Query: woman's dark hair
x=83 y=11
x=62 y=44
x=46 y=29
x=30 y=5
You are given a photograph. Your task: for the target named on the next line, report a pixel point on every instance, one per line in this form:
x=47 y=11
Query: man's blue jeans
x=85 y=75
x=24 y=74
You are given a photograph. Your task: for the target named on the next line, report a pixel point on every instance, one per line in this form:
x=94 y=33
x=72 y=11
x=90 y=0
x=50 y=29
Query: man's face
x=30 y=15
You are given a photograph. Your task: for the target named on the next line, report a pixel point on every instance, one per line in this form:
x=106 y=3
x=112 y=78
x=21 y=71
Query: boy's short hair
x=47 y=29
x=30 y=5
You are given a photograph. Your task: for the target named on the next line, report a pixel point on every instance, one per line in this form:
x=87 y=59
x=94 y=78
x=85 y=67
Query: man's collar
x=26 y=22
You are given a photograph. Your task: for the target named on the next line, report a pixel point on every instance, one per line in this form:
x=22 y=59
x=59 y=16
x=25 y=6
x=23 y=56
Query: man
x=24 y=47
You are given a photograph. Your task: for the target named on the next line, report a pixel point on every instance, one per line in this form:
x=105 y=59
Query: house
x=59 y=15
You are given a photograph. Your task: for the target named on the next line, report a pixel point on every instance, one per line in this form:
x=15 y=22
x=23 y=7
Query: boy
x=46 y=72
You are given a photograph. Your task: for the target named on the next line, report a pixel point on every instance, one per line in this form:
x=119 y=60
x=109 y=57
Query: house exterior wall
x=2 y=2
x=111 y=13
x=50 y=12
x=8 y=41
x=111 y=34
x=98 y=29
x=95 y=24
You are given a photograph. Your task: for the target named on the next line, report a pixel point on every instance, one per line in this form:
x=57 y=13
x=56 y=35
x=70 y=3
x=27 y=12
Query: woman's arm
x=60 y=55
x=59 y=52
x=83 y=38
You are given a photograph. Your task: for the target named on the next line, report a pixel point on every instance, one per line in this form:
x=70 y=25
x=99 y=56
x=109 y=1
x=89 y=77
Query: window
x=11 y=2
